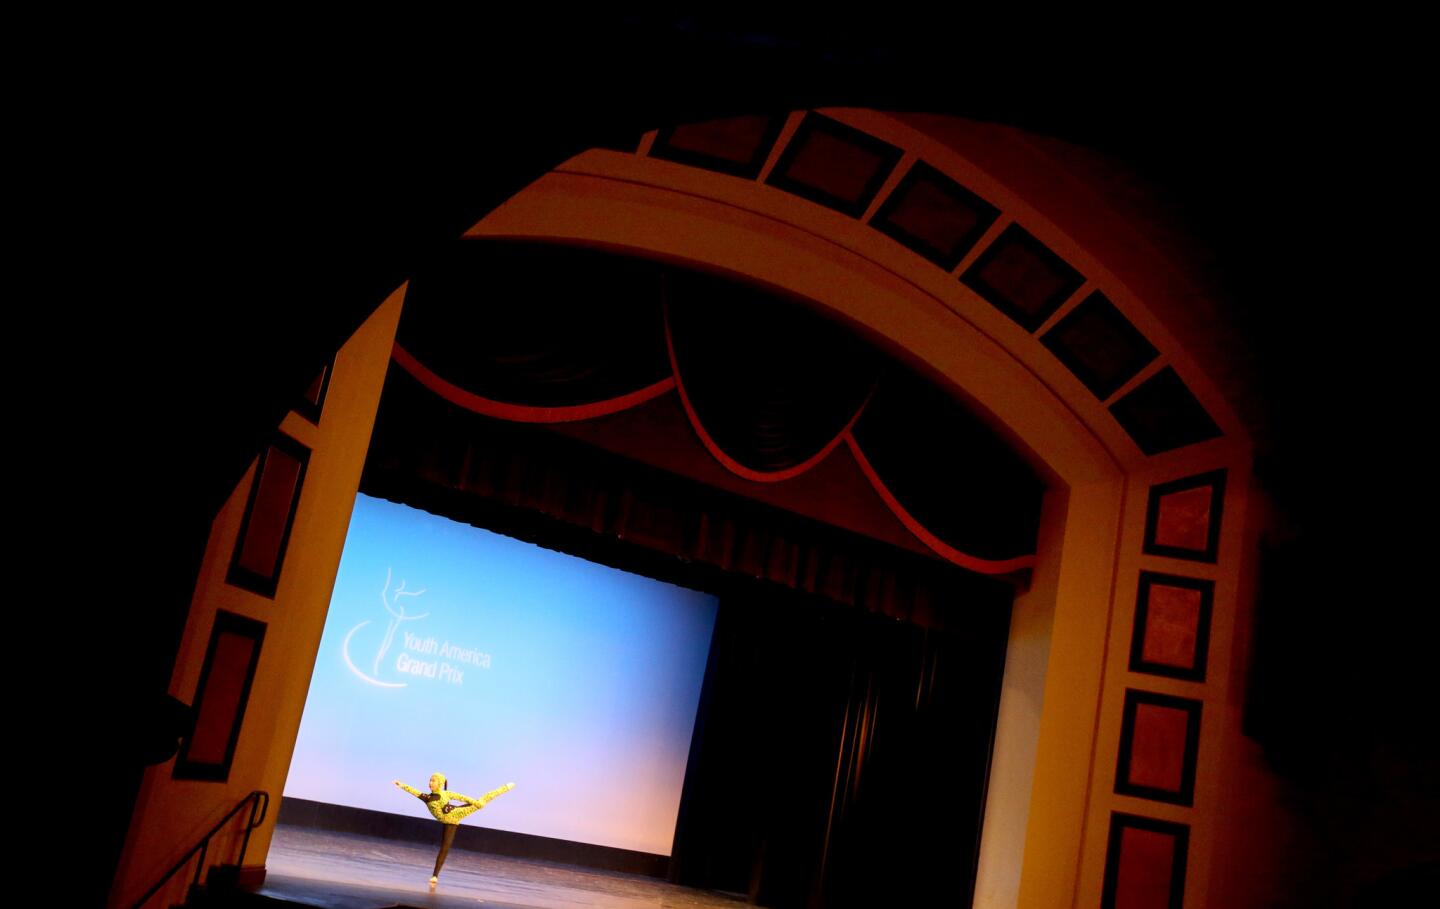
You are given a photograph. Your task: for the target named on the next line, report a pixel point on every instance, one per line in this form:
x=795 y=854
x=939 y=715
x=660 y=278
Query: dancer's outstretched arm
x=410 y=789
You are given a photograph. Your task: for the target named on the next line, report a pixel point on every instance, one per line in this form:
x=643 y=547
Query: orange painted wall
x=172 y=815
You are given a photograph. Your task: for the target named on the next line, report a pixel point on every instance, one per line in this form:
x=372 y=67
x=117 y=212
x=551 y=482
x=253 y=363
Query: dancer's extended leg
x=461 y=812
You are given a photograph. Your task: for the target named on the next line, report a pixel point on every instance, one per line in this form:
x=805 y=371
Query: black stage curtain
x=840 y=756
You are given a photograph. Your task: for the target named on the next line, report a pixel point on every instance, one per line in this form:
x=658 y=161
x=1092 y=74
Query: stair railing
x=259 y=802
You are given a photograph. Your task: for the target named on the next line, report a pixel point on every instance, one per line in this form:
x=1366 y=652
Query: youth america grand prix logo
x=419 y=657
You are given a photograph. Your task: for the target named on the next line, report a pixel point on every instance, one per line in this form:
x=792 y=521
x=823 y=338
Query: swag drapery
x=530 y=483
x=534 y=334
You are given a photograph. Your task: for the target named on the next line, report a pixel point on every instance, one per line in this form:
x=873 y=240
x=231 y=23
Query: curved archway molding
x=1114 y=518
x=1051 y=792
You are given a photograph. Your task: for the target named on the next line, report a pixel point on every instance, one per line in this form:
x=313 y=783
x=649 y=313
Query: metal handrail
x=259 y=801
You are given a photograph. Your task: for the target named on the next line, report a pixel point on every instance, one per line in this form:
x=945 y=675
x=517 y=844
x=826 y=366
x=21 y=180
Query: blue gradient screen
x=452 y=649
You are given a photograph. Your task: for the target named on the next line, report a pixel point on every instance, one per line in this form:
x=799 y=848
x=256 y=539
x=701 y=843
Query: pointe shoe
x=433 y=882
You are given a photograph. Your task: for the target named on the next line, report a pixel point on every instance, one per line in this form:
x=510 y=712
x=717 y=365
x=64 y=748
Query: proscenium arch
x=1055 y=740
x=1051 y=791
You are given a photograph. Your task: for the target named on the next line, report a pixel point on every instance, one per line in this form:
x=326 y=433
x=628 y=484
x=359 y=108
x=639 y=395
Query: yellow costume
x=439 y=800
x=446 y=813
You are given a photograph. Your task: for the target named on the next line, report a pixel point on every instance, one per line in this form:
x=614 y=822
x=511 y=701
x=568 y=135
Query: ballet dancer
x=439 y=800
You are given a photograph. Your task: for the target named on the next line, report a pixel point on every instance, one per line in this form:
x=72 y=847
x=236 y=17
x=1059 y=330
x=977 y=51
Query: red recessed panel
x=1024 y=279
x=220 y=701
x=1184 y=519
x=265 y=533
x=928 y=212
x=1172 y=626
x=1157 y=752
x=1146 y=866
x=834 y=166
x=312 y=394
x=735 y=139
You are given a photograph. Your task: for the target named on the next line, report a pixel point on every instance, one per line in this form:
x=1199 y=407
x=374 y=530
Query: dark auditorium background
x=233 y=215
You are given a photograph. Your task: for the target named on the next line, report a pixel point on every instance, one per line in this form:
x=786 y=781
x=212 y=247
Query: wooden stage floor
x=348 y=871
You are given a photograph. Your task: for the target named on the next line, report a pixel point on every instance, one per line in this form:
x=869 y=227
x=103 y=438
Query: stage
x=348 y=871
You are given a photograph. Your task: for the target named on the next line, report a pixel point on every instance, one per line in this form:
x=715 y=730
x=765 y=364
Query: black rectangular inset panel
x=1099 y=345
x=1162 y=415
x=935 y=216
x=832 y=164
x=735 y=145
x=1171 y=636
x=269 y=517
x=312 y=401
x=220 y=698
x=1145 y=863
x=1159 y=747
x=1021 y=277
x=1182 y=517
